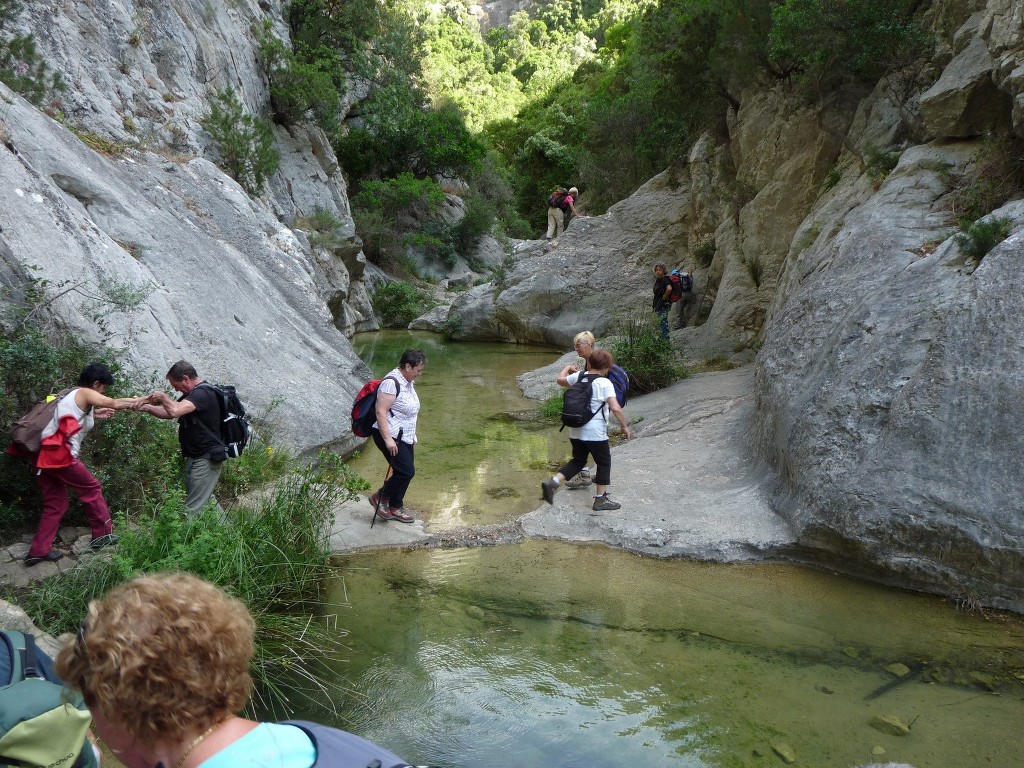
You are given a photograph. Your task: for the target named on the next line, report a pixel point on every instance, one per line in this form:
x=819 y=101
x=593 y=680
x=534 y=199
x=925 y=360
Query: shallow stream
x=551 y=654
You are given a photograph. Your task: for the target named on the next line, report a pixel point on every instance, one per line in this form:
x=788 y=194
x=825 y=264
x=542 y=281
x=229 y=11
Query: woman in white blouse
x=394 y=433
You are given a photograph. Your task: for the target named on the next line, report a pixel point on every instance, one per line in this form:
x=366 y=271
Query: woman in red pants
x=60 y=471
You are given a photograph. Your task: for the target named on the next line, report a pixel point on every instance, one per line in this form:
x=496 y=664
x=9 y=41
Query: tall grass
x=640 y=349
x=270 y=552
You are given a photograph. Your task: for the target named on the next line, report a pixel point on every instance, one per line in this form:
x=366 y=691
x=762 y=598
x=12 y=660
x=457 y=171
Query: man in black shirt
x=198 y=415
x=662 y=291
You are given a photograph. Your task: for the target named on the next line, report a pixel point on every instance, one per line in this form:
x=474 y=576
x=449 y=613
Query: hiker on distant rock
x=164 y=663
x=560 y=202
x=662 y=303
x=198 y=415
x=592 y=438
x=394 y=433
x=60 y=470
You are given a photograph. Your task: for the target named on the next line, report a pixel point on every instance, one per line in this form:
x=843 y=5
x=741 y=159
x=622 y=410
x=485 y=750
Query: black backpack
x=234 y=422
x=576 y=402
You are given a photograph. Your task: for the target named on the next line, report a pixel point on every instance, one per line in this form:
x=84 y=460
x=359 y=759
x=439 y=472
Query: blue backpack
x=341 y=749
x=620 y=380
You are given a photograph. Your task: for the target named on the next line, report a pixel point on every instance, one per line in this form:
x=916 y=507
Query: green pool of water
x=551 y=654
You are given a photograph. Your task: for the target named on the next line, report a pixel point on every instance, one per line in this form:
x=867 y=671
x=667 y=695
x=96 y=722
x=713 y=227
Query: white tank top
x=68 y=407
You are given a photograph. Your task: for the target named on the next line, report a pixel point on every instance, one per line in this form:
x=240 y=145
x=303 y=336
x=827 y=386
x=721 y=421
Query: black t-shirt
x=660 y=285
x=196 y=442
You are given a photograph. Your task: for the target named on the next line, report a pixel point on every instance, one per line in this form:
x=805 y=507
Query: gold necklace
x=195 y=743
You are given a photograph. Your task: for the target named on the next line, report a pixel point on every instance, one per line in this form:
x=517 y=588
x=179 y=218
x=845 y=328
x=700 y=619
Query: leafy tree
x=830 y=40
x=304 y=82
x=245 y=142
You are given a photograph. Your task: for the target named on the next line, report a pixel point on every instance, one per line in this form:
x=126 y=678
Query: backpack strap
x=15 y=642
x=398 y=386
x=30 y=659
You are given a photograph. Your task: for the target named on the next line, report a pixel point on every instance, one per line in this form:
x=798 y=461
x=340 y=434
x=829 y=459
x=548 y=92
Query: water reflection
x=548 y=654
x=555 y=654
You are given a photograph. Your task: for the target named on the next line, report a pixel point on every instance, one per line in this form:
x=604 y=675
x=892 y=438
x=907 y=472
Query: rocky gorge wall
x=889 y=370
x=233 y=286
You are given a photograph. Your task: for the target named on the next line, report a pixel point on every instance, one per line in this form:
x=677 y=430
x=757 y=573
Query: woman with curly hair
x=163 y=662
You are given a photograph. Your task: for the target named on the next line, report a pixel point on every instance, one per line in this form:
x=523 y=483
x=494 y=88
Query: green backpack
x=40 y=724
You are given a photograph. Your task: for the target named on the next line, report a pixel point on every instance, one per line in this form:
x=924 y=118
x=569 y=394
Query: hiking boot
x=377 y=501
x=580 y=480
x=604 y=504
x=547 y=491
x=50 y=557
x=396 y=514
x=103 y=541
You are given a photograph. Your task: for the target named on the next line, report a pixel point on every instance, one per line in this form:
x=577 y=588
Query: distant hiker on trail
x=59 y=469
x=394 y=433
x=560 y=202
x=590 y=439
x=662 y=303
x=198 y=415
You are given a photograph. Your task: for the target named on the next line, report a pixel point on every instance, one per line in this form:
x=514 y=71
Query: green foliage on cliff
x=244 y=142
x=397 y=304
x=22 y=69
x=827 y=41
x=600 y=94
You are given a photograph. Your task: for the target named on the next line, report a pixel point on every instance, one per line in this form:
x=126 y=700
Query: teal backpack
x=41 y=724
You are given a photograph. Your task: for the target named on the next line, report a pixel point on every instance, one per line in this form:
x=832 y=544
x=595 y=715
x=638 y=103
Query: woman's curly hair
x=165 y=655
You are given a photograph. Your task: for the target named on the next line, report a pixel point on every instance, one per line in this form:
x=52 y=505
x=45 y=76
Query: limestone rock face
x=223 y=283
x=231 y=285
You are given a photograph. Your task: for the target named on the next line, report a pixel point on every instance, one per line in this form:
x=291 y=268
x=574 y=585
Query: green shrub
x=755 y=268
x=398 y=304
x=640 y=349
x=451 y=328
x=552 y=407
x=994 y=179
x=323 y=227
x=879 y=162
x=982 y=236
x=22 y=69
x=704 y=253
x=827 y=42
x=245 y=143
x=271 y=553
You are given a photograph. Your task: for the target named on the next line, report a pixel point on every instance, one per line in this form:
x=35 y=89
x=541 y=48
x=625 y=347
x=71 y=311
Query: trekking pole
x=376 y=507
x=703 y=296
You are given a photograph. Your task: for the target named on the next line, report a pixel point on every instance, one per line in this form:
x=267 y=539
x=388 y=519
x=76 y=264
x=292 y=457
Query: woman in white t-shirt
x=394 y=433
x=592 y=438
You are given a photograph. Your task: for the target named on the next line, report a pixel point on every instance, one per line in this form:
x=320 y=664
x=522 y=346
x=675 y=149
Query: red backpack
x=681 y=281
x=364 y=409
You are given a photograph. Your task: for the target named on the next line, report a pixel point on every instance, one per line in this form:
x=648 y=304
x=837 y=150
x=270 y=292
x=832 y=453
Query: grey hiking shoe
x=580 y=480
x=604 y=504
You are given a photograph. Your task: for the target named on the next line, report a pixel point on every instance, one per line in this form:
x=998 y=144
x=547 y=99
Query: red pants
x=54 y=484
